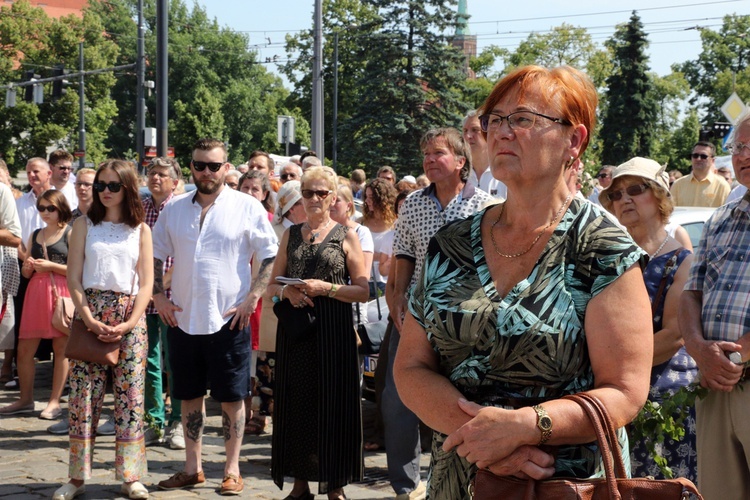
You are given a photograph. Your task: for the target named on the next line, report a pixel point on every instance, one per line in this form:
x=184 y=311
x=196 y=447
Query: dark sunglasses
x=601 y=176
x=695 y=156
x=288 y=176
x=114 y=187
x=46 y=208
x=309 y=193
x=213 y=166
x=631 y=190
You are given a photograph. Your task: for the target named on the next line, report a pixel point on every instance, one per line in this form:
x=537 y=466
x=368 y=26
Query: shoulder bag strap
x=671 y=263
x=377 y=295
x=46 y=257
x=135 y=273
x=314 y=261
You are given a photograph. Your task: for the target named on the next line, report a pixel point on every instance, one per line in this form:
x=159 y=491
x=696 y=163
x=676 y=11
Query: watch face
x=545 y=423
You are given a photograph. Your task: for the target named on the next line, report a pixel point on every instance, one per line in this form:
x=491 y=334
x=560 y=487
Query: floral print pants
x=87 y=387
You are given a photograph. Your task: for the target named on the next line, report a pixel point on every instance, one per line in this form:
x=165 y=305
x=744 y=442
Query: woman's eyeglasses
x=631 y=190
x=213 y=166
x=114 y=187
x=309 y=193
x=491 y=122
x=46 y=208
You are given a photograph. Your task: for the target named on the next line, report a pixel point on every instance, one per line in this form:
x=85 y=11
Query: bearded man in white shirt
x=212 y=235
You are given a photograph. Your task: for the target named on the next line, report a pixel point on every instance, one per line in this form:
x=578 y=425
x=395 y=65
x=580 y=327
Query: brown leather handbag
x=84 y=345
x=615 y=486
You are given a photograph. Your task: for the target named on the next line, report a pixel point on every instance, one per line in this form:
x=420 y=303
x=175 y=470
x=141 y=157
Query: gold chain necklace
x=513 y=256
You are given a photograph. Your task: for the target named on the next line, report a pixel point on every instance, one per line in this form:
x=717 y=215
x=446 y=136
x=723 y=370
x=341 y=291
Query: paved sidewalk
x=33 y=463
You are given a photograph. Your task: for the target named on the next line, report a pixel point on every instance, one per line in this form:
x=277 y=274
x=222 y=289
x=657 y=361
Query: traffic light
x=33 y=93
x=721 y=129
x=58 y=86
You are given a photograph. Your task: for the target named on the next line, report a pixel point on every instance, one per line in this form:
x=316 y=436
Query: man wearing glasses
x=604 y=178
x=714 y=321
x=163 y=175
x=702 y=187
x=212 y=234
x=290 y=172
x=61 y=164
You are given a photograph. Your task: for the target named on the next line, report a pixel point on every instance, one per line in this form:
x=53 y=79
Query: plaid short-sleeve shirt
x=721 y=271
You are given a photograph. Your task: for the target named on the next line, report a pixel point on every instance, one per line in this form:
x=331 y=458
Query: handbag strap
x=46 y=257
x=135 y=273
x=598 y=415
x=377 y=297
x=312 y=263
x=671 y=263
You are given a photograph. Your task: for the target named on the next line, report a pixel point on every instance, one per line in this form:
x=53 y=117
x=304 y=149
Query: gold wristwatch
x=544 y=423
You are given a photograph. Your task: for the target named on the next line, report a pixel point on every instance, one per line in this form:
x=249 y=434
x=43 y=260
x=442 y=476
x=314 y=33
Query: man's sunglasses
x=213 y=166
x=288 y=176
x=309 y=193
x=631 y=190
x=695 y=156
x=46 y=208
x=601 y=176
x=114 y=187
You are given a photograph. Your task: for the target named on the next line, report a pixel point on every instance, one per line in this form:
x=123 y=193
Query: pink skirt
x=38 y=306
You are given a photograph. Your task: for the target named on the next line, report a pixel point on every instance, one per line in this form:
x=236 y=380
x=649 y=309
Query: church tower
x=465 y=42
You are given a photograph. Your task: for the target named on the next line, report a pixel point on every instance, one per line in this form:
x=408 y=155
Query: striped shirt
x=721 y=271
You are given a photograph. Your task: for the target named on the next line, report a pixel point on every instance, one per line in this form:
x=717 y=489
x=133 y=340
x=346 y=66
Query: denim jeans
x=401 y=425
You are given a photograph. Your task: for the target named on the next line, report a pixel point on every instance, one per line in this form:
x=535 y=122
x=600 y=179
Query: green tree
x=217 y=85
x=412 y=81
x=36 y=42
x=631 y=114
x=354 y=21
x=721 y=67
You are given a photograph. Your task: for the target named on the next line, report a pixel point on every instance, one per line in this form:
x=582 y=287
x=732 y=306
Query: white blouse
x=110 y=256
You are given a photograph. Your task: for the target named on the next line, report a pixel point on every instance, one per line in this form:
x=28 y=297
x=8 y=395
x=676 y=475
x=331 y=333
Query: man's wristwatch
x=544 y=423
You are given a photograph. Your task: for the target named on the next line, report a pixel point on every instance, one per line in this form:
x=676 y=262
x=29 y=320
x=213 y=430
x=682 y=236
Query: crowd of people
x=504 y=282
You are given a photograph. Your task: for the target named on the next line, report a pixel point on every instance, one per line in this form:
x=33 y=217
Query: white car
x=692 y=219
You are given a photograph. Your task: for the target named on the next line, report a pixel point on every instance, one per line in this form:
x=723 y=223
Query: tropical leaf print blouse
x=528 y=344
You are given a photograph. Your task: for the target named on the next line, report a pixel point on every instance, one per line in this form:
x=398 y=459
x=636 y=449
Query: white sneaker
x=419 y=493
x=176 y=437
x=107 y=428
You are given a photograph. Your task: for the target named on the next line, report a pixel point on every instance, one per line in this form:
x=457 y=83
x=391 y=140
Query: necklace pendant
x=312 y=238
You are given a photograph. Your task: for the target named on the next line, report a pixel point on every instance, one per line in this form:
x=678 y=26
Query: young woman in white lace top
x=110 y=278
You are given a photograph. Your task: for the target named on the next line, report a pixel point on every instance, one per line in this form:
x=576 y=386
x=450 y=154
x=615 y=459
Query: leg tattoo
x=226 y=423
x=194 y=425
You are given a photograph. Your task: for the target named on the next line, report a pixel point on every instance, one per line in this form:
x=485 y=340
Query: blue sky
x=670 y=24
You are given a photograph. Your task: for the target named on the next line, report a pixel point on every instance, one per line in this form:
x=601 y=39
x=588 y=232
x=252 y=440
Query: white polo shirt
x=211 y=272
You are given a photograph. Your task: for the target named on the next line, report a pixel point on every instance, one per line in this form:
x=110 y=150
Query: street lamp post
x=317 y=82
x=334 y=139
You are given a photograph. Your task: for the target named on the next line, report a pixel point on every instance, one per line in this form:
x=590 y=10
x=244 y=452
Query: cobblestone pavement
x=33 y=463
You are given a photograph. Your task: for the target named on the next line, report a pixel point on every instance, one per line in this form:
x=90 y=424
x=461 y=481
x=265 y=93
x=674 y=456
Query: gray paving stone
x=33 y=463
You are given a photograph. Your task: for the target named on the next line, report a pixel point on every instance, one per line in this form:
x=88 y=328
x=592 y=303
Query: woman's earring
x=570 y=162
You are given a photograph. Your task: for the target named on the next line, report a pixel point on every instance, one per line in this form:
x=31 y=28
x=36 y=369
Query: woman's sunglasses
x=631 y=190
x=46 y=208
x=309 y=193
x=114 y=187
x=213 y=166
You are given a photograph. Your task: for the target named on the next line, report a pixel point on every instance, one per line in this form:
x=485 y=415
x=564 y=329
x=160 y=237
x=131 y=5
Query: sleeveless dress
x=666 y=378
x=317 y=425
x=40 y=299
x=527 y=345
